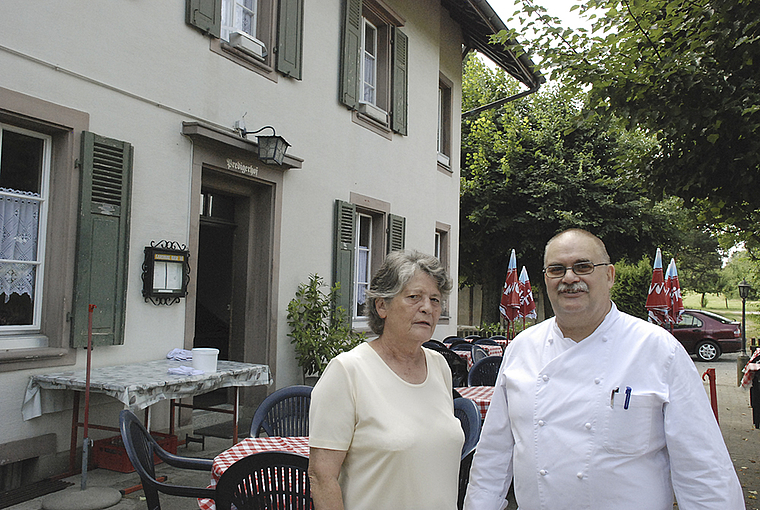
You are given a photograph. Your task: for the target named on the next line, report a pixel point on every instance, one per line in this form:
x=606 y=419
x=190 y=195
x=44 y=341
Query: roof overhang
x=479 y=22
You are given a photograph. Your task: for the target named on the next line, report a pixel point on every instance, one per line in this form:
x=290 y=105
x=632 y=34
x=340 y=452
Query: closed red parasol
x=509 y=308
x=658 y=298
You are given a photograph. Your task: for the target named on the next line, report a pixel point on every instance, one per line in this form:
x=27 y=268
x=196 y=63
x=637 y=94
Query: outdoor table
x=481 y=395
x=249 y=446
x=503 y=342
x=140 y=385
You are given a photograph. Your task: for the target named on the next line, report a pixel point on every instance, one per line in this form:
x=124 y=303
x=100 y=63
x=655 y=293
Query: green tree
x=685 y=70
x=632 y=286
x=739 y=267
x=528 y=172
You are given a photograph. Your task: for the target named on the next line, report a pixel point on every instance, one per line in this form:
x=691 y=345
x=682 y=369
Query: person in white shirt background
x=596 y=409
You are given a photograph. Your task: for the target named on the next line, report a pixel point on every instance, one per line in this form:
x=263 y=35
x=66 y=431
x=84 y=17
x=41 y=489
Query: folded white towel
x=183 y=370
x=180 y=355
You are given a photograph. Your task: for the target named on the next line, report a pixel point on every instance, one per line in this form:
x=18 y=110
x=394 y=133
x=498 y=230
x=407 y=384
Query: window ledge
x=22 y=359
x=251 y=63
x=373 y=125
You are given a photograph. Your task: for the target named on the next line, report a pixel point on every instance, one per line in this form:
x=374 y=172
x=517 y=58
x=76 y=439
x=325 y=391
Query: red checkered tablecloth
x=481 y=395
x=492 y=350
x=249 y=446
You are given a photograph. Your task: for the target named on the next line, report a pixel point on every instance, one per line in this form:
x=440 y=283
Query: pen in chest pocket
x=627 y=397
x=612 y=396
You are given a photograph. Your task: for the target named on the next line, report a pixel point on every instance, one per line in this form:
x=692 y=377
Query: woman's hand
x=324 y=468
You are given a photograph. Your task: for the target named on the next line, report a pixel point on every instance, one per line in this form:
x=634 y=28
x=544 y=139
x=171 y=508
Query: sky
x=558 y=8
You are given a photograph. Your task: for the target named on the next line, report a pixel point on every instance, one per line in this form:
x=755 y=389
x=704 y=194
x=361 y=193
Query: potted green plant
x=319 y=328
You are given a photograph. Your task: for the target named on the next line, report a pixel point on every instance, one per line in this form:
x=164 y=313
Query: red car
x=707 y=334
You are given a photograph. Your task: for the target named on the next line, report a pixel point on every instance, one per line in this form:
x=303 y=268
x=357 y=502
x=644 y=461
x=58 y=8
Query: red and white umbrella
x=675 y=302
x=527 y=305
x=658 y=299
x=509 y=307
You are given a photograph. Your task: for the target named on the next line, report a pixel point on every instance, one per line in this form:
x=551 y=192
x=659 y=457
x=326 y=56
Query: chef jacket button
x=604 y=339
x=597 y=381
x=541 y=423
x=551 y=340
x=588 y=426
x=579 y=475
x=542 y=472
x=545 y=377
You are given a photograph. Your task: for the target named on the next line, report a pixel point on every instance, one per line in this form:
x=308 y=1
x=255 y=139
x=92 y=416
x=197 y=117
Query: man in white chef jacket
x=596 y=409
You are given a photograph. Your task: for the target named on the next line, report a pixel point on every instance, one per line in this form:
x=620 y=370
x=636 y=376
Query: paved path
x=735 y=415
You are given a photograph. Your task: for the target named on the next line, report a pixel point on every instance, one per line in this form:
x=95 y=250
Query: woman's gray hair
x=397 y=270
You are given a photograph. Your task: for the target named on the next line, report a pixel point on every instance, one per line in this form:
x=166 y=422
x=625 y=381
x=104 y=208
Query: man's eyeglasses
x=579 y=268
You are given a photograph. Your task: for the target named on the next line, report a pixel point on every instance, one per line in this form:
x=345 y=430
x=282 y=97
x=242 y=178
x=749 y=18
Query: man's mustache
x=580 y=286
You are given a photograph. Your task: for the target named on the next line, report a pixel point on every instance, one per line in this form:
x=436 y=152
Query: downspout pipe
x=500 y=102
x=492 y=19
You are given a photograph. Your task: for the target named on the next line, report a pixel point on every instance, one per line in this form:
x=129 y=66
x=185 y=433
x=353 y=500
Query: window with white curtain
x=24 y=176
x=369 y=63
x=363 y=264
x=240 y=16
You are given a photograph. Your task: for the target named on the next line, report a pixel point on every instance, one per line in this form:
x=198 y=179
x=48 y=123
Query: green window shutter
x=205 y=15
x=396 y=232
x=102 y=240
x=290 y=38
x=343 y=258
x=351 y=45
x=400 y=88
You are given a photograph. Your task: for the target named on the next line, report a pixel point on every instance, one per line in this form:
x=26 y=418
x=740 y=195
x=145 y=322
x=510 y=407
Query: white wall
x=139 y=71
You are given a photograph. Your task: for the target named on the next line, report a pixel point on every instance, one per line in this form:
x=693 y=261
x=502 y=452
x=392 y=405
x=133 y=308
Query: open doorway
x=215 y=276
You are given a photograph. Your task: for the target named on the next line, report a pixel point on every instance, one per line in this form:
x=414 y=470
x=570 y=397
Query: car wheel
x=708 y=351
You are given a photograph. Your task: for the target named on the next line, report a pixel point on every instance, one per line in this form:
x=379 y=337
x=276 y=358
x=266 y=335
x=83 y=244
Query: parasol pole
x=86 y=441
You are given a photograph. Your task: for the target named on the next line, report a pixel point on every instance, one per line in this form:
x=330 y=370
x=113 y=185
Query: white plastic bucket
x=204 y=358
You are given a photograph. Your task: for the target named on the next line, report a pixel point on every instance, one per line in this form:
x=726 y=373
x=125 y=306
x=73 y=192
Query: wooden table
x=481 y=395
x=249 y=446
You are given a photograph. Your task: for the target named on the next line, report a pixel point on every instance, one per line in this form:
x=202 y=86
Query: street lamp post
x=742 y=360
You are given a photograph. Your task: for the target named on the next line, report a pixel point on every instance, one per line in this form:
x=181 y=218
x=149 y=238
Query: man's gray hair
x=584 y=233
x=397 y=270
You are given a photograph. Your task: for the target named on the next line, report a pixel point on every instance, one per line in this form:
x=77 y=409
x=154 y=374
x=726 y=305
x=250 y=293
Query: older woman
x=382 y=429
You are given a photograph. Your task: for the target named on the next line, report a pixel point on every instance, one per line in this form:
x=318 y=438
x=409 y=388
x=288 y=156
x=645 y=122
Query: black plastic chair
x=464 y=477
x=484 y=371
x=458 y=341
x=284 y=413
x=141 y=447
x=473 y=337
x=266 y=480
x=432 y=343
x=476 y=352
x=469 y=416
x=488 y=341
x=457 y=365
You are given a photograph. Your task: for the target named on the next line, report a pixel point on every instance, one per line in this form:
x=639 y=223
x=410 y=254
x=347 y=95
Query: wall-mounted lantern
x=166 y=272
x=271 y=147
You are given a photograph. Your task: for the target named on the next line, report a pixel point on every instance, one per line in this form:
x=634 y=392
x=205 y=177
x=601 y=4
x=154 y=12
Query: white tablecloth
x=140 y=385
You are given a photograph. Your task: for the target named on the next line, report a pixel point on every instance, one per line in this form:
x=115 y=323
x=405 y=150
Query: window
x=239 y=16
x=369 y=63
x=374 y=66
x=39 y=143
x=444 y=124
x=363 y=263
x=262 y=35
x=24 y=177
x=441 y=251
x=365 y=231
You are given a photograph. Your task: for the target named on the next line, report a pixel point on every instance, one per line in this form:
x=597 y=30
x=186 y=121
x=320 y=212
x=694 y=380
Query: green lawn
x=733 y=311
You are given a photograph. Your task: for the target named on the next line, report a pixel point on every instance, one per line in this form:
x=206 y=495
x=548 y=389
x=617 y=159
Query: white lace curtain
x=19 y=220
